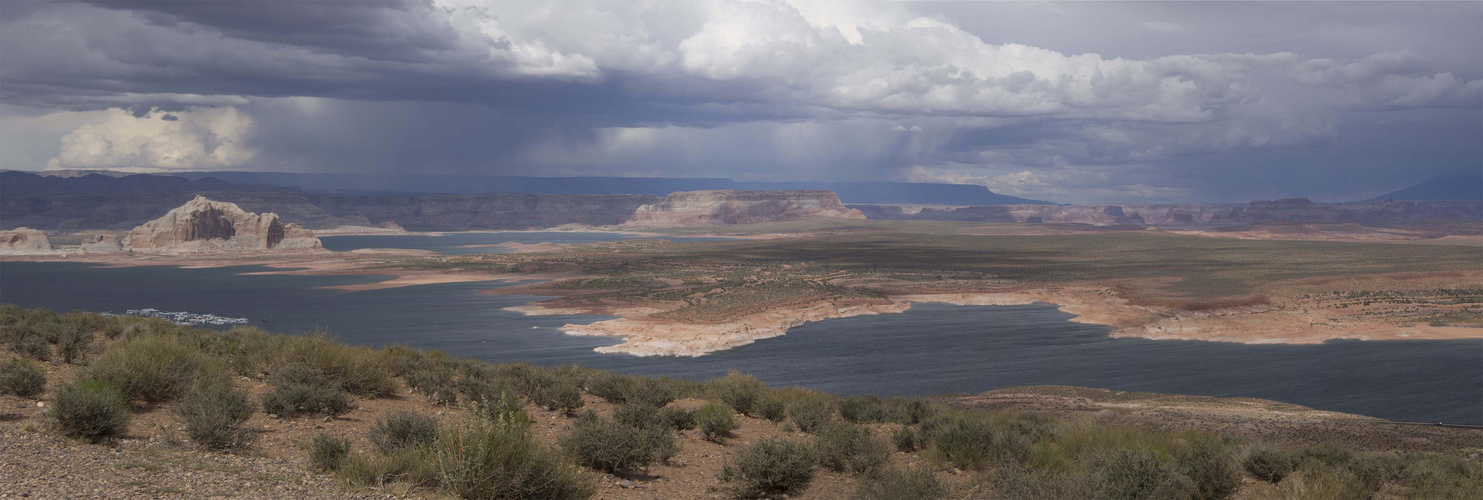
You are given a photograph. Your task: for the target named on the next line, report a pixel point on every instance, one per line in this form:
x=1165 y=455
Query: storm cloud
x=1070 y=102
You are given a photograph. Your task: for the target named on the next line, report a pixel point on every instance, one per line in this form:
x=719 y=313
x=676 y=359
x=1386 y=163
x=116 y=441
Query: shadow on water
x=931 y=349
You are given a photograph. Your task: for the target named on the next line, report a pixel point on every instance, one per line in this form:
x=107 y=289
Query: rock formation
x=688 y=208
x=102 y=244
x=24 y=240
x=205 y=226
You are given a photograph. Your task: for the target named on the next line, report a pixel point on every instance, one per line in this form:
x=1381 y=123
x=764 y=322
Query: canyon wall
x=205 y=226
x=740 y=207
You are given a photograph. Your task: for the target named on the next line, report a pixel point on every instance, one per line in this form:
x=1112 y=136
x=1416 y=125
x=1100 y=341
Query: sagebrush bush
x=678 y=419
x=565 y=398
x=742 y=392
x=1327 y=454
x=657 y=391
x=91 y=409
x=1320 y=480
x=1269 y=464
x=812 y=411
x=301 y=390
x=22 y=377
x=327 y=452
x=975 y=441
x=637 y=414
x=214 y=414
x=403 y=429
x=156 y=368
x=770 y=467
x=873 y=409
x=1131 y=474
x=772 y=408
x=918 y=483
x=1210 y=464
x=613 y=387
x=845 y=447
x=905 y=439
x=1021 y=482
x=416 y=466
x=484 y=458
x=357 y=370
x=610 y=445
x=715 y=421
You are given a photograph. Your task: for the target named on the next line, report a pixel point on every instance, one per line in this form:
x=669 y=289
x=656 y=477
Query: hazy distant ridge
x=1462 y=186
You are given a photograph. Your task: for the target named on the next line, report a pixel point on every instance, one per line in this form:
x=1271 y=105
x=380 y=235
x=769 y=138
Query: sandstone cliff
x=24 y=240
x=688 y=208
x=206 y=226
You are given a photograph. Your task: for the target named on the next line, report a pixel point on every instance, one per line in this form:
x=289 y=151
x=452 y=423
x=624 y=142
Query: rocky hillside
x=206 y=226
x=690 y=208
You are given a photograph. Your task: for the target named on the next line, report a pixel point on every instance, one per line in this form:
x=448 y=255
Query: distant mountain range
x=1461 y=186
x=17 y=183
x=407 y=184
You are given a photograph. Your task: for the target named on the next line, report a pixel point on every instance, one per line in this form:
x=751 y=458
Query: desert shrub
x=327 y=452
x=563 y=397
x=1135 y=474
x=357 y=370
x=610 y=445
x=1430 y=475
x=678 y=419
x=1209 y=464
x=32 y=346
x=715 y=421
x=213 y=415
x=91 y=409
x=22 y=377
x=846 y=447
x=417 y=466
x=612 y=387
x=741 y=392
x=772 y=408
x=812 y=411
x=484 y=458
x=301 y=390
x=975 y=441
x=890 y=483
x=1319 y=480
x=657 y=391
x=905 y=439
x=403 y=429
x=1016 y=481
x=478 y=383
x=873 y=409
x=637 y=414
x=71 y=337
x=155 y=368
x=770 y=467
x=1327 y=454
x=1269 y=464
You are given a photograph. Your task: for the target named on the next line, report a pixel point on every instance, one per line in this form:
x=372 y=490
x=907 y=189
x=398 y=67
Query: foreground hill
x=181 y=412
x=1461 y=186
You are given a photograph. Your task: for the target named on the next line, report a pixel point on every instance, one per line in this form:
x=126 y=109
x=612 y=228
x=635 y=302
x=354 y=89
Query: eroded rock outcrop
x=206 y=226
x=689 y=208
x=24 y=240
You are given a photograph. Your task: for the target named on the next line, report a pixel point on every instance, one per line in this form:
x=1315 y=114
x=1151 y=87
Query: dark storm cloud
x=1067 y=101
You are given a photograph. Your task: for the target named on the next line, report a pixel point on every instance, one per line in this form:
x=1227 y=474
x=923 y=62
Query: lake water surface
x=931 y=349
x=462 y=243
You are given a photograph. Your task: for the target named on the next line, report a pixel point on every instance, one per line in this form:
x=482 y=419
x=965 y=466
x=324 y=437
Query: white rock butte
x=205 y=226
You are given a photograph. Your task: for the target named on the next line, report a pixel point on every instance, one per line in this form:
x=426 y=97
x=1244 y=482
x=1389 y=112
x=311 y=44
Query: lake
x=462 y=243
x=931 y=349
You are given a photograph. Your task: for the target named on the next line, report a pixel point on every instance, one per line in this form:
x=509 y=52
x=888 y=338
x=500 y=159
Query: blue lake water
x=477 y=242
x=930 y=349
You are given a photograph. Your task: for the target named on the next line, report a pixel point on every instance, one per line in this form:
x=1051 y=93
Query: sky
x=1080 y=102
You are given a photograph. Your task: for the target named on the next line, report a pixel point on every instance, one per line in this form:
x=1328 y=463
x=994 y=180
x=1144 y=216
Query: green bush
x=773 y=409
x=1319 y=480
x=715 y=421
x=812 y=411
x=357 y=370
x=417 y=466
x=403 y=429
x=612 y=446
x=1269 y=464
x=975 y=441
x=612 y=387
x=327 y=453
x=434 y=379
x=213 y=415
x=678 y=419
x=895 y=484
x=485 y=458
x=656 y=392
x=1209 y=463
x=1130 y=474
x=873 y=409
x=1327 y=454
x=770 y=467
x=91 y=409
x=301 y=390
x=637 y=414
x=71 y=338
x=742 y=392
x=22 y=377
x=1022 y=482
x=905 y=440
x=156 y=368
x=564 y=397
x=1431 y=475
x=845 y=447
x=32 y=346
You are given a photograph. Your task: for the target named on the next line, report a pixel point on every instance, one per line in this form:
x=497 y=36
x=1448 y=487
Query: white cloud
x=158 y=141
